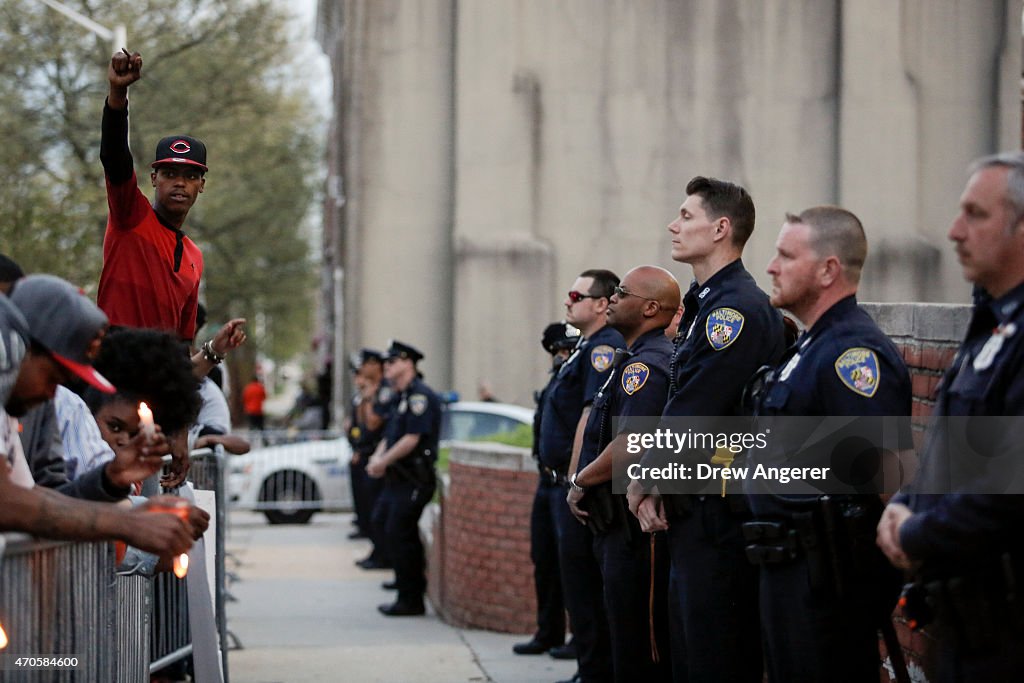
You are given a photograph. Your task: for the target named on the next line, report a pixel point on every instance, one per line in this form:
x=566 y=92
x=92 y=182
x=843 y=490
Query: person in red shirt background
x=253 y=397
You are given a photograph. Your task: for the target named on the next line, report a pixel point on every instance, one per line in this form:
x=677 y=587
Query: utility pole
x=118 y=36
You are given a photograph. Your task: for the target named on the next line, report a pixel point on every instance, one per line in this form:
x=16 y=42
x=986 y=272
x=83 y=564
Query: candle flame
x=3 y=637
x=181 y=566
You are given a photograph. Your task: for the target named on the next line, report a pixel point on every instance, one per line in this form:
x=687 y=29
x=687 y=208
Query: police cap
x=397 y=349
x=363 y=356
x=558 y=336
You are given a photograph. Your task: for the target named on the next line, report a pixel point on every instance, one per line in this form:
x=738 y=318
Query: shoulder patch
x=723 y=327
x=384 y=394
x=601 y=357
x=634 y=377
x=418 y=404
x=859 y=370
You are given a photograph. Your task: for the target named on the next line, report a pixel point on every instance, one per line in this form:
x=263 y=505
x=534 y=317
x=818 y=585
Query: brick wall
x=486 y=577
x=480 y=569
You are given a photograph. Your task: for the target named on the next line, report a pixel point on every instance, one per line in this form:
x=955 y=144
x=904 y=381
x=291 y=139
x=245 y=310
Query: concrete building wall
x=504 y=146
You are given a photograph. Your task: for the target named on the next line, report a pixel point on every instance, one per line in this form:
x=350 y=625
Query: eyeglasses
x=621 y=292
x=577 y=297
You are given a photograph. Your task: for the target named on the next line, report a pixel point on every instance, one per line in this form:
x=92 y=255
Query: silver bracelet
x=211 y=355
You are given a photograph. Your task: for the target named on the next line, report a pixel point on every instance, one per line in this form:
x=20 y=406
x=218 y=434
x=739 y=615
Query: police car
x=288 y=482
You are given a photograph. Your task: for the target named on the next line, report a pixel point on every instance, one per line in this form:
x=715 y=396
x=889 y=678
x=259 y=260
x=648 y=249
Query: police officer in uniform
x=364 y=428
x=728 y=330
x=558 y=339
x=566 y=405
x=406 y=461
x=963 y=543
x=825 y=587
x=634 y=393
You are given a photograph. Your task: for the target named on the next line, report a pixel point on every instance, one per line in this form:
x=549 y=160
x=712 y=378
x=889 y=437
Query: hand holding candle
x=146 y=421
x=181 y=509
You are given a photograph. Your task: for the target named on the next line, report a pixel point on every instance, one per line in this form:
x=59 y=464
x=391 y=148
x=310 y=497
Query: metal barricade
x=59 y=600
x=207 y=472
x=289 y=475
x=134 y=605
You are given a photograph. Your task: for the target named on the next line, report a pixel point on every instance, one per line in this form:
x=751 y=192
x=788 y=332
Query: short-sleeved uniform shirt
x=363 y=439
x=574 y=387
x=967 y=528
x=729 y=329
x=417 y=411
x=151 y=271
x=843 y=366
x=637 y=388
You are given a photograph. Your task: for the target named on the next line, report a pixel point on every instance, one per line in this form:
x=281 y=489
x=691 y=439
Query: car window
x=465 y=425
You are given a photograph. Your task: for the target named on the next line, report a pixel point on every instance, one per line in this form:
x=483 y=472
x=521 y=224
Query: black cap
x=180 y=149
x=558 y=336
x=361 y=357
x=397 y=349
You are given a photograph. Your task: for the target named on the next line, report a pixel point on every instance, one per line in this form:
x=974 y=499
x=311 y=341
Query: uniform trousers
x=584 y=596
x=624 y=554
x=396 y=518
x=547 y=577
x=365 y=490
x=715 y=593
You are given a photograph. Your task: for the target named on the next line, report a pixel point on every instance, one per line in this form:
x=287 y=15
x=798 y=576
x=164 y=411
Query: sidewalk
x=307 y=614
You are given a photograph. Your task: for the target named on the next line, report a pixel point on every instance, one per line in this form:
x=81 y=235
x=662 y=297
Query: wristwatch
x=574 y=485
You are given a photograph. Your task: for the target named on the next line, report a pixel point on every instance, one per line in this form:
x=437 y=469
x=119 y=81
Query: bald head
x=647 y=299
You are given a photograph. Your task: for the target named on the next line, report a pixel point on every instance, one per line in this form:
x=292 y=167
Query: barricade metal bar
x=208 y=472
x=59 y=599
x=134 y=616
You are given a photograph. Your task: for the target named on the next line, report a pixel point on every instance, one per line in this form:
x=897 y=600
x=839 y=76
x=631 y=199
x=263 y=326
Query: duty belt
x=552 y=476
x=770 y=542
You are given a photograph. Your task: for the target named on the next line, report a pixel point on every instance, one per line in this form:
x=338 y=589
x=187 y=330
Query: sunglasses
x=622 y=293
x=577 y=297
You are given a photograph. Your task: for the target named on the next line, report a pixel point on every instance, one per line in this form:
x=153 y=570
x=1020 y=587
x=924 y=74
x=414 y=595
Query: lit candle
x=146 y=421
x=3 y=638
x=181 y=565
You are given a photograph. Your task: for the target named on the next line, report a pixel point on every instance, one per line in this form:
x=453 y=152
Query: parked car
x=289 y=482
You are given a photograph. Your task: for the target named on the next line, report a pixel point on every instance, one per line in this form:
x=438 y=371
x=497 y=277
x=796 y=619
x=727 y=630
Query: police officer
x=558 y=339
x=364 y=428
x=406 y=461
x=825 y=588
x=566 y=404
x=635 y=391
x=728 y=330
x=963 y=543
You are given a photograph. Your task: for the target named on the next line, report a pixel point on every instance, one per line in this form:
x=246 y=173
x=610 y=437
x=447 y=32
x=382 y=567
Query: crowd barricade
x=61 y=600
x=289 y=475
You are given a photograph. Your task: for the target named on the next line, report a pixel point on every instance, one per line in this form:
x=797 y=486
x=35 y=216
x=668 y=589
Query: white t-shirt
x=10 y=448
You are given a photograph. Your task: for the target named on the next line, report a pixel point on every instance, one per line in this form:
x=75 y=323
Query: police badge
x=859 y=371
x=634 y=377
x=418 y=404
x=723 y=327
x=601 y=357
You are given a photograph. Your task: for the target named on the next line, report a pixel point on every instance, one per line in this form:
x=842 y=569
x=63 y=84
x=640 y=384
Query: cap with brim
x=180 y=149
x=397 y=349
x=63 y=321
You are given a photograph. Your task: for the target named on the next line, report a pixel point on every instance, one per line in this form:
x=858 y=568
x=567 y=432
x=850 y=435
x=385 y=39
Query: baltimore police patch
x=418 y=404
x=601 y=357
x=859 y=371
x=723 y=327
x=634 y=377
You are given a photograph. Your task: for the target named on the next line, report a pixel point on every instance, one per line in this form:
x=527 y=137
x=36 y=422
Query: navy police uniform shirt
x=843 y=366
x=986 y=378
x=729 y=330
x=417 y=410
x=637 y=388
x=574 y=387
